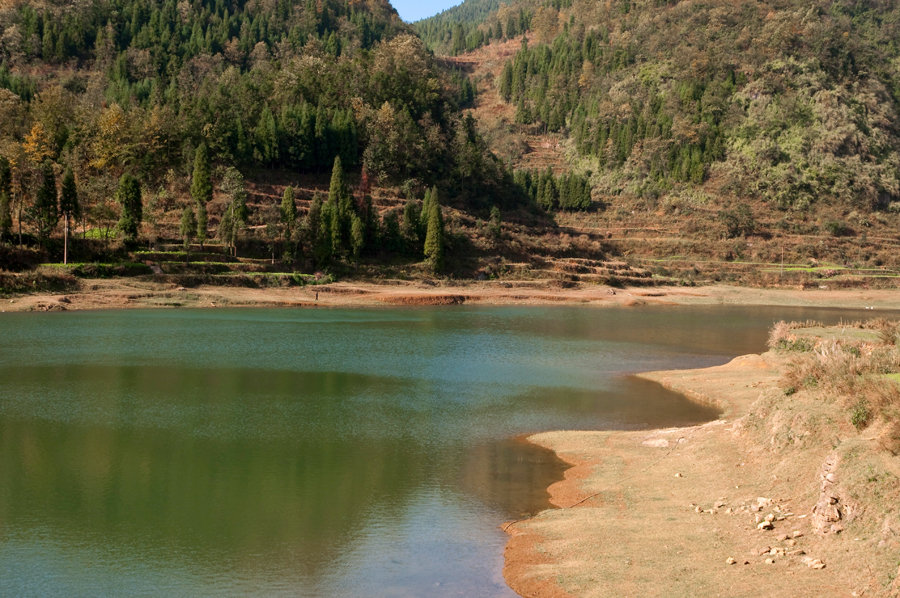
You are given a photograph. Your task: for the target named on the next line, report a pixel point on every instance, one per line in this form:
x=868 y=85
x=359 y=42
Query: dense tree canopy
x=795 y=102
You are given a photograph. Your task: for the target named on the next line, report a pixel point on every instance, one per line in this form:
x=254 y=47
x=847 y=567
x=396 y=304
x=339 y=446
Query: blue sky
x=413 y=10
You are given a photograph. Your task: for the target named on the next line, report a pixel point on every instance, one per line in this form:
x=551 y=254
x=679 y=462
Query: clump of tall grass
x=852 y=373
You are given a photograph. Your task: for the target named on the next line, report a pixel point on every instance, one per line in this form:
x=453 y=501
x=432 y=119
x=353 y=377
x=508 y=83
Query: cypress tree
x=357 y=236
x=201 y=189
x=128 y=195
x=411 y=220
x=202 y=223
x=370 y=221
x=425 y=214
x=324 y=241
x=5 y=215
x=313 y=220
x=342 y=207
x=5 y=197
x=45 y=212
x=68 y=205
x=288 y=212
x=188 y=227
x=434 y=237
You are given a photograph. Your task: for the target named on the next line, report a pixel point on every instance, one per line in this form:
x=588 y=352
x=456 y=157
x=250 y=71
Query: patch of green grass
x=800 y=344
x=838 y=333
x=99 y=234
x=168 y=253
x=100 y=269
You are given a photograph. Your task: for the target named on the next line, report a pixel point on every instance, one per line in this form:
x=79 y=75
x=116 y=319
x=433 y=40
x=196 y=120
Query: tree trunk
x=66 y=242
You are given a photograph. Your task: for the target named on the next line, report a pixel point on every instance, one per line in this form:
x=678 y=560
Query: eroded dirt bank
x=682 y=512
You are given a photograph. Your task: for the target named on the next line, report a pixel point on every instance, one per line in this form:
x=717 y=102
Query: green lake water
x=365 y=452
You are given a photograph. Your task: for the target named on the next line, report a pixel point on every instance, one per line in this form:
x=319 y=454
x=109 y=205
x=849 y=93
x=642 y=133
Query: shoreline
x=126 y=293
x=674 y=511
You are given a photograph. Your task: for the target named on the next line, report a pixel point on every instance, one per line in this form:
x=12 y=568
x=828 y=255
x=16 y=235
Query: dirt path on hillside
x=135 y=293
x=675 y=512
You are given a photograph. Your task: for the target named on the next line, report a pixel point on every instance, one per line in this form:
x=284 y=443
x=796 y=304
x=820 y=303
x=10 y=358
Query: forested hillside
x=473 y=24
x=792 y=102
x=141 y=97
x=655 y=141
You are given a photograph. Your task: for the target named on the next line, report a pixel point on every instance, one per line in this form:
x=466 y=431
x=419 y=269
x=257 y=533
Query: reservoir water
x=365 y=452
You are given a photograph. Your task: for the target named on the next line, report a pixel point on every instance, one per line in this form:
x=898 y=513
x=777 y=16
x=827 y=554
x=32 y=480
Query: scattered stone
x=762 y=551
x=814 y=563
x=791 y=542
x=698 y=510
x=765 y=525
x=719 y=504
x=678 y=475
x=656 y=443
x=770 y=517
x=729 y=511
x=797 y=534
x=770 y=561
x=781 y=537
x=827 y=511
x=730 y=561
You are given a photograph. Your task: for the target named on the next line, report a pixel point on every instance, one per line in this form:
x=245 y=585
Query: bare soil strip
x=124 y=293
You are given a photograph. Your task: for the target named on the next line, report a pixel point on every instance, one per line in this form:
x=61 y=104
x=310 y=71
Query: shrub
x=860 y=414
x=838 y=229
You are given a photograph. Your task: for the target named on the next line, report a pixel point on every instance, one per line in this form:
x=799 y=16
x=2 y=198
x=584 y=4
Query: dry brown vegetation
x=855 y=367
